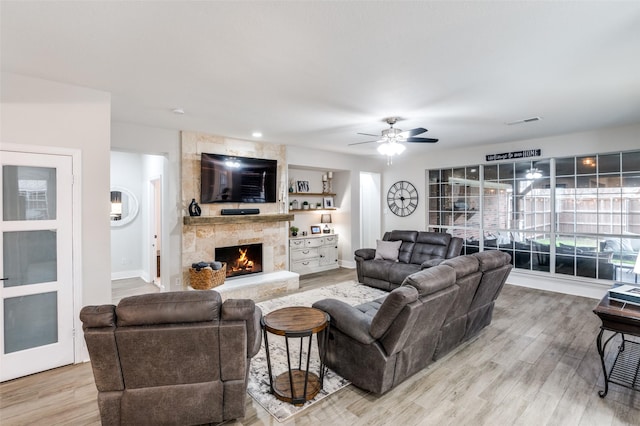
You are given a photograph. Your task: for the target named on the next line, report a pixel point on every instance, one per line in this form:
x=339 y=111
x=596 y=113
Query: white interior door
x=36 y=265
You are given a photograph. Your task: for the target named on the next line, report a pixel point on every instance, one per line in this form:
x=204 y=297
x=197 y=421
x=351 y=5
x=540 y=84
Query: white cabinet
x=313 y=253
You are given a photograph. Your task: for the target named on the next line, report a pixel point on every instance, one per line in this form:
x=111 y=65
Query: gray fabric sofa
x=179 y=358
x=379 y=344
x=419 y=250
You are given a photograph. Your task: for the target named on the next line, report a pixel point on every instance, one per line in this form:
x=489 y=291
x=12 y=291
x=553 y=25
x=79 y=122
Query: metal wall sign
x=525 y=153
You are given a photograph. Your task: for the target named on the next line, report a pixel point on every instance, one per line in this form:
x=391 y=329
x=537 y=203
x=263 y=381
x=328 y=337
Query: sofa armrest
x=245 y=310
x=365 y=254
x=347 y=319
x=431 y=263
x=455 y=247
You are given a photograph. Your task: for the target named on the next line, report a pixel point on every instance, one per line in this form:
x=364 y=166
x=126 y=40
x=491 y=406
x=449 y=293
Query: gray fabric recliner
x=379 y=344
x=419 y=250
x=179 y=358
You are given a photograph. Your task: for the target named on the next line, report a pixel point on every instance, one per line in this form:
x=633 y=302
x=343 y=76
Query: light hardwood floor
x=130 y=287
x=536 y=364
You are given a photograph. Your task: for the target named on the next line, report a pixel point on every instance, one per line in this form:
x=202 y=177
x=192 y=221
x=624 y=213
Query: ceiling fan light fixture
x=533 y=174
x=391 y=148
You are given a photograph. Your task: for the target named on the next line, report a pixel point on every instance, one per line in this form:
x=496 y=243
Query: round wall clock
x=402 y=198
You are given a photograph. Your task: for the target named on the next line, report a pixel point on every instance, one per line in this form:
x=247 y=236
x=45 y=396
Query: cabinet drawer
x=296 y=243
x=313 y=242
x=305 y=253
x=305 y=266
x=331 y=240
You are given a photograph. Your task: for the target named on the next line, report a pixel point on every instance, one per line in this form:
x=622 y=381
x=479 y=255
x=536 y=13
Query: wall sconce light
x=325 y=218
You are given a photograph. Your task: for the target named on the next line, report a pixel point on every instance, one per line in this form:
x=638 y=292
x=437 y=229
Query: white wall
x=127 y=240
x=166 y=143
x=44 y=113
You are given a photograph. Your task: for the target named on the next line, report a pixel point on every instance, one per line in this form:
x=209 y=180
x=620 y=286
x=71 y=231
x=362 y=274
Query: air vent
x=525 y=120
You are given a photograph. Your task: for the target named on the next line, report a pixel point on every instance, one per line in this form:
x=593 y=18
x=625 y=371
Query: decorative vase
x=194 y=208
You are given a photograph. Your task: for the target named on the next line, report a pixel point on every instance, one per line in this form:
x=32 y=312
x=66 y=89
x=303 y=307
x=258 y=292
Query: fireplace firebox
x=241 y=260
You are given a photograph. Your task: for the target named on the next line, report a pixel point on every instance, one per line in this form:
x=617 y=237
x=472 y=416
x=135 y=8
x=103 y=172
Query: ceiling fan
x=391 y=138
x=397 y=135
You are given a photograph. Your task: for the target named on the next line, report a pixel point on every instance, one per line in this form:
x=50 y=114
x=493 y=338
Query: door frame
x=79 y=347
x=155 y=216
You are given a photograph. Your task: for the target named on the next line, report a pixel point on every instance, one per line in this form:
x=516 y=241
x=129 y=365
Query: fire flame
x=243 y=262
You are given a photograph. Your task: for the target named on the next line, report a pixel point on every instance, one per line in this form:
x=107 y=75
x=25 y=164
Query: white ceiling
x=316 y=73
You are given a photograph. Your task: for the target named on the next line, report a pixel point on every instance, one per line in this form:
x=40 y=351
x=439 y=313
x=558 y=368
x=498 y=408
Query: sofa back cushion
x=430 y=245
x=393 y=304
x=408 y=239
x=431 y=280
x=169 y=308
x=495 y=267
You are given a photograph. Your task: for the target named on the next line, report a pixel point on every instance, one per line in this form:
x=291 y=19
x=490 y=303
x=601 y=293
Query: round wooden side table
x=297 y=385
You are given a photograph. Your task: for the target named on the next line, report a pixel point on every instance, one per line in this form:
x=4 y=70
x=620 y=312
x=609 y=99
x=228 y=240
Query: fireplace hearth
x=241 y=259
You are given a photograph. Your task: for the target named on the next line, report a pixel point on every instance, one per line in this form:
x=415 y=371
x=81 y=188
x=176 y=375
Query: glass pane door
x=36 y=286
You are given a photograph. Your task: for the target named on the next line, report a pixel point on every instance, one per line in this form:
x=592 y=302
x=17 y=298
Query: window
x=587 y=226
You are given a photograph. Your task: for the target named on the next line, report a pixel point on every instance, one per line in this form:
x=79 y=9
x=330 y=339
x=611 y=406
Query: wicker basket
x=206 y=279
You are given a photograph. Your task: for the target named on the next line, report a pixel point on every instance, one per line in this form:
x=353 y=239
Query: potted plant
x=294 y=231
x=305 y=205
x=318 y=205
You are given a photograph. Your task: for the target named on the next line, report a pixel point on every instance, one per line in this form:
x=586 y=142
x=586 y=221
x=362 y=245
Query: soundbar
x=229 y=212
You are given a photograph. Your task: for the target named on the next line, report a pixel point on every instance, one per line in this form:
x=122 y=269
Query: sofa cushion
x=387 y=250
x=463 y=265
x=430 y=245
x=390 y=308
x=399 y=271
x=408 y=239
x=428 y=281
x=171 y=307
x=492 y=259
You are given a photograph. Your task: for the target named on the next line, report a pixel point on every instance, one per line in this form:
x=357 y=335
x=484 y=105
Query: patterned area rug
x=350 y=292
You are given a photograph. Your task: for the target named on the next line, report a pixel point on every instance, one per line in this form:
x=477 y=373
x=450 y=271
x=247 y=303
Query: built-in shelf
x=235 y=219
x=311 y=210
x=318 y=194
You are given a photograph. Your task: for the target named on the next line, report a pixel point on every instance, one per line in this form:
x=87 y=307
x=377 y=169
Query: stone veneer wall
x=199 y=242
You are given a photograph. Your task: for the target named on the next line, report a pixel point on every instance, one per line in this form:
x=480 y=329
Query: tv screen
x=231 y=179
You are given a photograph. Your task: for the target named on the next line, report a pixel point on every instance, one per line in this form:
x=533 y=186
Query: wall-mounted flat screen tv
x=232 y=179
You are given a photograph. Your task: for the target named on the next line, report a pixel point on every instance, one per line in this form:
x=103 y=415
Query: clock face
x=402 y=198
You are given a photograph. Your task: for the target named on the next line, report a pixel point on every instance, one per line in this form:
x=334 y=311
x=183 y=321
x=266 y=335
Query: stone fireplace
x=203 y=236
x=241 y=259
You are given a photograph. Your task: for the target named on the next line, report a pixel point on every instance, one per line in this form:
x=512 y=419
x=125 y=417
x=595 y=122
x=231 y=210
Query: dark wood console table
x=297 y=385
x=624 y=319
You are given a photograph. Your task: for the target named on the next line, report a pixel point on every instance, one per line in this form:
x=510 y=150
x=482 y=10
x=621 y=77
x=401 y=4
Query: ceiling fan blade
x=360 y=143
x=428 y=140
x=413 y=132
x=367 y=134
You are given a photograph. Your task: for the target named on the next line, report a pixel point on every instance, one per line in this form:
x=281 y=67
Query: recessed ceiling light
x=256 y=134
x=178 y=111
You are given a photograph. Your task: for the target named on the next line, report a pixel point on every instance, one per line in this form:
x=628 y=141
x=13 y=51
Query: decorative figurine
x=194 y=208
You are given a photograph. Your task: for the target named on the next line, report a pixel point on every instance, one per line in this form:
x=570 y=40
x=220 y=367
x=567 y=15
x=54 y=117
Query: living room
x=88 y=121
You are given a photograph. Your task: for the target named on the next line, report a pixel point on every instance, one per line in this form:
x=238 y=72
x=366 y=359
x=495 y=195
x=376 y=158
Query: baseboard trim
x=123 y=275
x=575 y=286
x=349 y=264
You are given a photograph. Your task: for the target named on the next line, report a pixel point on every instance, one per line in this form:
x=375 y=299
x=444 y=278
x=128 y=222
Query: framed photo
x=315 y=229
x=328 y=202
x=302 y=186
